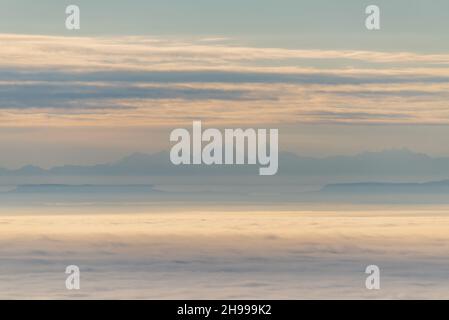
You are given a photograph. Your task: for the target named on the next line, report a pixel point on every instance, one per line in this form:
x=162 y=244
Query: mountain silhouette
x=385 y=165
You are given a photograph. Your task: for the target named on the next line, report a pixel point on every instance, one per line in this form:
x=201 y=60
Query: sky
x=138 y=69
x=287 y=22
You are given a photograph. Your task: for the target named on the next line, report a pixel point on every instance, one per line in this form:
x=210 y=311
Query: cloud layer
x=201 y=252
x=129 y=81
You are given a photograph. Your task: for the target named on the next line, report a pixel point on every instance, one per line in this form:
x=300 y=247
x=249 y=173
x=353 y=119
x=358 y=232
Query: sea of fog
x=220 y=252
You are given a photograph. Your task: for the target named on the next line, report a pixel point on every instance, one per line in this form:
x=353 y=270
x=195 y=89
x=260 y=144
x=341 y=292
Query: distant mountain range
x=389 y=163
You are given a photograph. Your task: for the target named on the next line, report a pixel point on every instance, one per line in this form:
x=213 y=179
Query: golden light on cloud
x=141 y=81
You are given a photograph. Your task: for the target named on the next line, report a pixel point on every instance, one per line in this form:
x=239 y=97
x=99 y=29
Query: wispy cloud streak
x=127 y=81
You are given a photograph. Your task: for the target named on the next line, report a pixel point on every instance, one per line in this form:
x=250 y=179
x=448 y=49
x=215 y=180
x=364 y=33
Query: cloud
x=329 y=115
x=91 y=95
x=316 y=253
x=144 y=53
x=219 y=76
x=129 y=81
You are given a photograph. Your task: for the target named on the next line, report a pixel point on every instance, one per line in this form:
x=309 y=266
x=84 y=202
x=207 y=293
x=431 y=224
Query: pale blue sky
x=416 y=25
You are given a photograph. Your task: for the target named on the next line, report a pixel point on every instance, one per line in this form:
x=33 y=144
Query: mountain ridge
x=392 y=162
